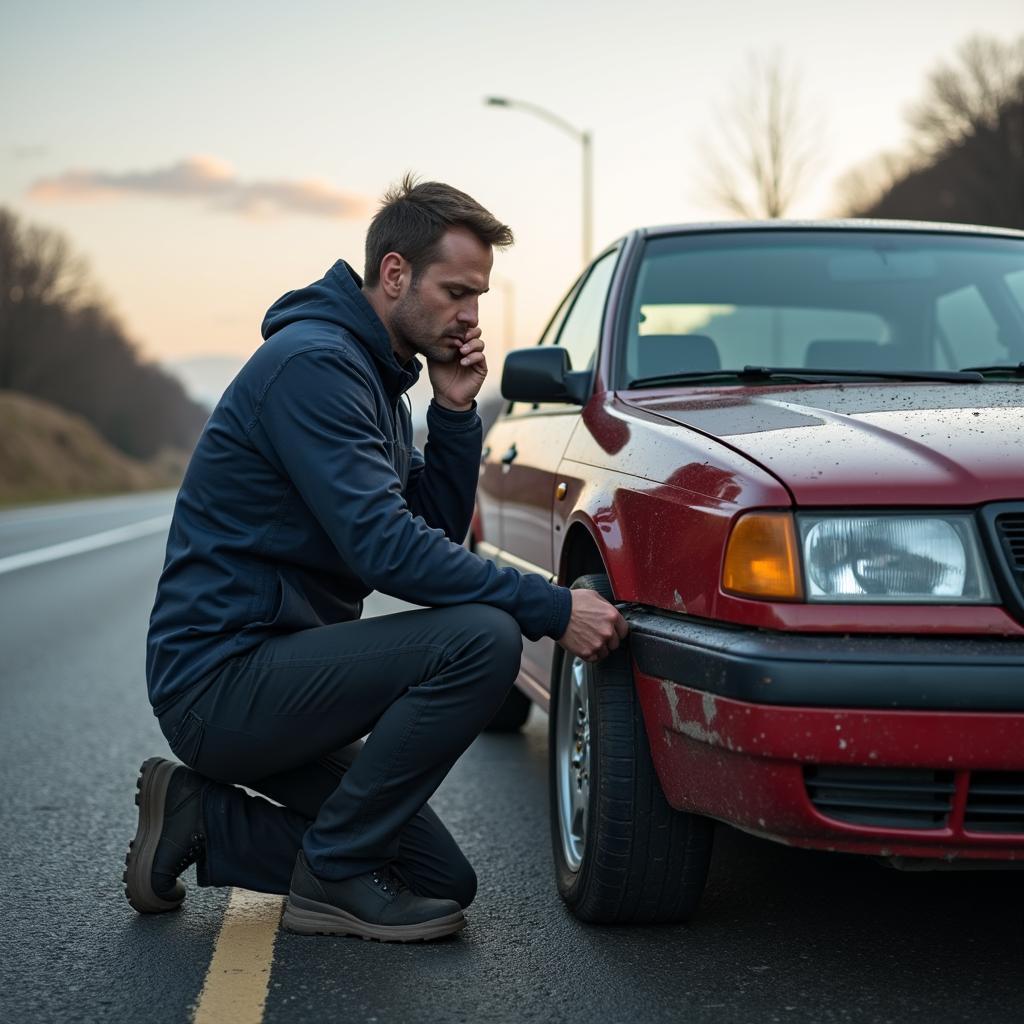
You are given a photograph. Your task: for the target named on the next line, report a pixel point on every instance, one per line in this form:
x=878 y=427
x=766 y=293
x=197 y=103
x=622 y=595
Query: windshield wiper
x=755 y=374
x=1009 y=369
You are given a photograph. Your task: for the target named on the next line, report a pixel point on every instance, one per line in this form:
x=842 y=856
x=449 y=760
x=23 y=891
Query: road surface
x=782 y=935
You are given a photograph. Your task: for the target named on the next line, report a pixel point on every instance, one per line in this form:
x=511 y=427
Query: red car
x=793 y=454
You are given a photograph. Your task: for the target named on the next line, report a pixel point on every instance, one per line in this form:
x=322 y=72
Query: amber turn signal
x=761 y=558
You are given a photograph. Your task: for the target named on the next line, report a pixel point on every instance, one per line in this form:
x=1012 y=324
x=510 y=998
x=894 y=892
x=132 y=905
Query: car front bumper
x=892 y=746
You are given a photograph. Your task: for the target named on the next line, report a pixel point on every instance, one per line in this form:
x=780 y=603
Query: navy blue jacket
x=305 y=493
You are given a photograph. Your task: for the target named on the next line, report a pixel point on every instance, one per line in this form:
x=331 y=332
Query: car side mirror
x=543 y=374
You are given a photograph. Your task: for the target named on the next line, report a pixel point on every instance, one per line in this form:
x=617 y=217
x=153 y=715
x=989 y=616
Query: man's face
x=433 y=314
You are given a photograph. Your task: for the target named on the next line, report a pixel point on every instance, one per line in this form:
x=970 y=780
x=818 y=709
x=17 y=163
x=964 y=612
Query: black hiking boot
x=169 y=837
x=376 y=905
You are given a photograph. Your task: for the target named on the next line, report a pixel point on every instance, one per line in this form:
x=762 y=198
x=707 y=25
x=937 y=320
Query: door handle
x=509 y=457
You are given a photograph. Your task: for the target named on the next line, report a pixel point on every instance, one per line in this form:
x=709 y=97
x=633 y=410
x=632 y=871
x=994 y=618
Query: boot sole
x=150 y=794
x=307 y=917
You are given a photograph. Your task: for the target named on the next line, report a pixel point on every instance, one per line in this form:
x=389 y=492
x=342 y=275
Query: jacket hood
x=337 y=298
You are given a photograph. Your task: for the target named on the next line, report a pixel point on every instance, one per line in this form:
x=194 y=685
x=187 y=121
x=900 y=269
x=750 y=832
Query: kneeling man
x=304 y=494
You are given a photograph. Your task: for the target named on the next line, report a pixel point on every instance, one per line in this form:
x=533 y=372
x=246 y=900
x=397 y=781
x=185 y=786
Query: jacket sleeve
x=442 y=481
x=317 y=420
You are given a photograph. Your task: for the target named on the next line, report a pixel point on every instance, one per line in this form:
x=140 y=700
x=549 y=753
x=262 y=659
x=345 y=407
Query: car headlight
x=893 y=558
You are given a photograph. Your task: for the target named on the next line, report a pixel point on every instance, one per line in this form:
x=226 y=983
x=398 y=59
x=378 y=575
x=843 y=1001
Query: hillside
x=48 y=454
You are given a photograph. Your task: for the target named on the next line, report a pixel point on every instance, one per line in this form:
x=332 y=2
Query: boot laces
x=195 y=850
x=387 y=881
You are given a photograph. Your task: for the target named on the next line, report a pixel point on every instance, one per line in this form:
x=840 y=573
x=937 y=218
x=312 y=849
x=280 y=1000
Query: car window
x=752 y=335
x=555 y=324
x=1015 y=284
x=845 y=300
x=582 y=328
x=968 y=334
x=576 y=325
x=547 y=338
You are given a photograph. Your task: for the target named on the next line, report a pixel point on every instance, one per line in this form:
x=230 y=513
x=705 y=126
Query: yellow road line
x=235 y=989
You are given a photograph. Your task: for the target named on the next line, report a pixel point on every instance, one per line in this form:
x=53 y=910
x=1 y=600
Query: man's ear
x=395 y=272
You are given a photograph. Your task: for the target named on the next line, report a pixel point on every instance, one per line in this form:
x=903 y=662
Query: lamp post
x=585 y=141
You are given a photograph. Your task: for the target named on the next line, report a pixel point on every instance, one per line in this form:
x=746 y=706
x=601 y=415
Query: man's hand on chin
x=457 y=383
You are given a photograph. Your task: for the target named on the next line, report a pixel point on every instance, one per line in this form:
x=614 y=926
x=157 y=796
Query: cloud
x=205 y=178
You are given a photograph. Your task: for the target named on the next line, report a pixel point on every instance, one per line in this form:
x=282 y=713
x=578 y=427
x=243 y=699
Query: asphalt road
x=782 y=935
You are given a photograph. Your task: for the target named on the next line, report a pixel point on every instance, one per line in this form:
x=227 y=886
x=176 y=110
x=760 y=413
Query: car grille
x=1011 y=532
x=1005 y=525
x=995 y=802
x=911 y=798
x=916 y=798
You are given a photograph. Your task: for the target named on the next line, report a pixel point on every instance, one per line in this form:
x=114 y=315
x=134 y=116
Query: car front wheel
x=622 y=854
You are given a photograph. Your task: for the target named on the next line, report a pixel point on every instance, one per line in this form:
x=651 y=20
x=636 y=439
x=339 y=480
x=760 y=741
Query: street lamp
x=583 y=138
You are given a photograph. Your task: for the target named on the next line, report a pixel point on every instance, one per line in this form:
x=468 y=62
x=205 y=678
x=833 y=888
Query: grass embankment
x=47 y=454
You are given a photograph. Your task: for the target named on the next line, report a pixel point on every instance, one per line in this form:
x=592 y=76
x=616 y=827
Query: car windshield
x=826 y=299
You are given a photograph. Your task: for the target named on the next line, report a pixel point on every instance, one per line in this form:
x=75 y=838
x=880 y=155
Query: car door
x=500 y=451
x=487 y=530
x=534 y=438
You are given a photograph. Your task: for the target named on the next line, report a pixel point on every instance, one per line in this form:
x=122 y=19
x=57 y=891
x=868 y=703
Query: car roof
x=843 y=224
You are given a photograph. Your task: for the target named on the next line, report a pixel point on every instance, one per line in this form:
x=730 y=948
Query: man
x=303 y=495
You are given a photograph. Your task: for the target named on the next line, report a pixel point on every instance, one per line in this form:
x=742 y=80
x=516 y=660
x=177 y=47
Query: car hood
x=867 y=444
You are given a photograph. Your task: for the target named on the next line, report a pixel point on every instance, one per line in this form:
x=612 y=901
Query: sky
x=207 y=157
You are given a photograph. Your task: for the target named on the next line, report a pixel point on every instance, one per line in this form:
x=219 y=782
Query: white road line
x=235 y=990
x=82 y=544
x=81 y=509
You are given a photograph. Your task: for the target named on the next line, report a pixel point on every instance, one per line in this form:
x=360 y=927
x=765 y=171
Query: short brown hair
x=413 y=218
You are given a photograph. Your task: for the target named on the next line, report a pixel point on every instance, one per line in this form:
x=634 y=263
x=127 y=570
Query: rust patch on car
x=692 y=728
x=710 y=707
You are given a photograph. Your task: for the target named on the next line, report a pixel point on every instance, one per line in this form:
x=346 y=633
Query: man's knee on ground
x=456 y=880
x=463 y=889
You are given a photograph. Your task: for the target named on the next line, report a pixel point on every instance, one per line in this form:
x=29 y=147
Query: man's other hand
x=595 y=627
x=457 y=383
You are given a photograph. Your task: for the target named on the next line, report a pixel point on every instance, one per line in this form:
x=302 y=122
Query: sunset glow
x=205 y=159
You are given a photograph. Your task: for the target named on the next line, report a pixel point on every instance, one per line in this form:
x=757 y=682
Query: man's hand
x=595 y=627
x=457 y=383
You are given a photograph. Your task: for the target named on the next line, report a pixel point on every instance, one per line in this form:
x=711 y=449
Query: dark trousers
x=285 y=720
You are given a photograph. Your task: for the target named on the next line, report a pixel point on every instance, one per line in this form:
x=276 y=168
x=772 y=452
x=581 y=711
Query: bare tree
x=767 y=142
x=60 y=342
x=965 y=159
x=861 y=187
x=37 y=265
x=966 y=98
x=38 y=274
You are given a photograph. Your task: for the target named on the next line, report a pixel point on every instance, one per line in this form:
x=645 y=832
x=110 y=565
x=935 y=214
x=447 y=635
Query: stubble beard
x=414 y=333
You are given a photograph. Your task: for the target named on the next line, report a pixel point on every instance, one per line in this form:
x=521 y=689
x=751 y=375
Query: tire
x=512 y=715
x=622 y=854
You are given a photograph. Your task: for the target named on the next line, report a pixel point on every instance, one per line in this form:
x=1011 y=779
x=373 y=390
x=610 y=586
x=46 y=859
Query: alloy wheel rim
x=573 y=761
